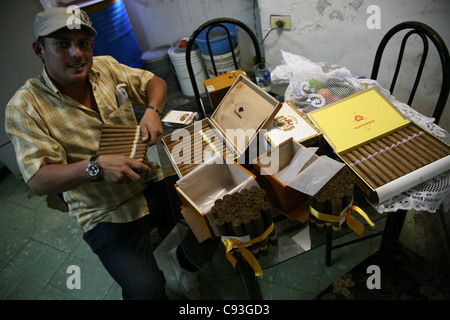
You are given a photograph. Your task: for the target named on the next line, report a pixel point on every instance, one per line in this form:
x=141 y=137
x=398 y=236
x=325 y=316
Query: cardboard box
x=291 y=202
x=387 y=153
x=243 y=112
x=218 y=87
x=289 y=122
x=199 y=189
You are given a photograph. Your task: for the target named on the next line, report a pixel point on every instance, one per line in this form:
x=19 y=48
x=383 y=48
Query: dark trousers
x=125 y=249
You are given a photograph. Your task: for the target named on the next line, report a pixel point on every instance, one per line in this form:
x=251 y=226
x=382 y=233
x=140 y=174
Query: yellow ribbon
x=231 y=243
x=352 y=222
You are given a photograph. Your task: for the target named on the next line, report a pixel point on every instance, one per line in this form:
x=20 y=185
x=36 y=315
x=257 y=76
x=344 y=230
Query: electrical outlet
x=285 y=20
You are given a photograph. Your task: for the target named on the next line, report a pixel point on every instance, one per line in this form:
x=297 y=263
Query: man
x=55 y=121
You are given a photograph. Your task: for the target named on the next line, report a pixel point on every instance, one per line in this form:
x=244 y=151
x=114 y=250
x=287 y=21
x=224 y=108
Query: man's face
x=67 y=55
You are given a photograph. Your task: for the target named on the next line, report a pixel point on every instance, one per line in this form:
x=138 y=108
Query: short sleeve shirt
x=47 y=127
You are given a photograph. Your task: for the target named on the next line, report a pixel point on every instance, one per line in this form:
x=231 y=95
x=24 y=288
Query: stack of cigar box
x=245 y=213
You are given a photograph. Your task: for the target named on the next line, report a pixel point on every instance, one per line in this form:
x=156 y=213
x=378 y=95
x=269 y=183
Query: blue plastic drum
x=115 y=35
x=218 y=39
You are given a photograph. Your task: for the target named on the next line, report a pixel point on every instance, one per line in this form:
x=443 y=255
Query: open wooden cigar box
x=207 y=154
x=201 y=187
x=388 y=153
x=291 y=202
x=242 y=113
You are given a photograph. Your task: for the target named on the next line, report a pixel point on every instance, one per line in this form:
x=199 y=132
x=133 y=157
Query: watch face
x=93 y=170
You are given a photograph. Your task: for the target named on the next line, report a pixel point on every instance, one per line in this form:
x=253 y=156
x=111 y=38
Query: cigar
x=115 y=126
x=321 y=206
x=336 y=209
x=437 y=144
x=238 y=227
x=379 y=164
x=229 y=223
x=363 y=171
x=248 y=227
x=414 y=156
x=408 y=145
x=395 y=156
x=266 y=209
x=429 y=154
x=258 y=226
x=312 y=219
x=394 y=164
x=369 y=163
x=221 y=226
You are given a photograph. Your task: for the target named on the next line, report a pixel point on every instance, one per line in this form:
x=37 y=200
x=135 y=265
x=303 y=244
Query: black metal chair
x=395 y=220
x=426 y=33
x=219 y=22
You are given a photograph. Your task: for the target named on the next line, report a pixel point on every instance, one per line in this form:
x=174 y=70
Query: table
x=210 y=257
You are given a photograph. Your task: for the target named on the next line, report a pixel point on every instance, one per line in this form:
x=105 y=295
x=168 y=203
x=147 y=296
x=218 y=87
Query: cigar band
x=352 y=222
x=385 y=149
x=135 y=141
x=232 y=244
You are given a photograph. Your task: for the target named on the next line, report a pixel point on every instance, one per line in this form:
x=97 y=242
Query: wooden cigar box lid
x=244 y=111
x=218 y=87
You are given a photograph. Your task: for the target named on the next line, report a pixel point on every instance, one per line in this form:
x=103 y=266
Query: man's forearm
x=56 y=178
x=157 y=92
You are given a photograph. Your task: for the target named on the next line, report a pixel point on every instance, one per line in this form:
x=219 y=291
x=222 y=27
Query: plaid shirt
x=49 y=127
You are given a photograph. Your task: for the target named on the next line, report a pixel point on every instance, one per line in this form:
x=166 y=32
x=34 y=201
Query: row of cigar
x=388 y=158
x=334 y=197
x=199 y=141
x=122 y=139
x=246 y=213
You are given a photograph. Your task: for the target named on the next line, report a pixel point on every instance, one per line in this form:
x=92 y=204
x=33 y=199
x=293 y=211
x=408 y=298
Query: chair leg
x=328 y=245
x=393 y=227
x=248 y=279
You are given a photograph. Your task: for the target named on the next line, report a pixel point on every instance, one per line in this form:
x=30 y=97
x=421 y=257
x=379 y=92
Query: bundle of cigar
x=246 y=213
x=122 y=139
x=200 y=140
x=390 y=157
x=334 y=197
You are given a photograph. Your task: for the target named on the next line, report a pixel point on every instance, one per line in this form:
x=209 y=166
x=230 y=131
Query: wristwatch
x=154 y=109
x=93 y=169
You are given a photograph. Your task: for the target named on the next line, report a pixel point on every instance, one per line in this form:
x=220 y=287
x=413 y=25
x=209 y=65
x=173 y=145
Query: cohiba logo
x=239 y=110
x=285 y=123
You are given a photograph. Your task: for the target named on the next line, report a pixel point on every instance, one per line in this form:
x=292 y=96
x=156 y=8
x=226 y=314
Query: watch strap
x=155 y=109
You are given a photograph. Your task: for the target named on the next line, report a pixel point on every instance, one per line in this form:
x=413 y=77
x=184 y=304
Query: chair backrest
x=425 y=33
x=209 y=25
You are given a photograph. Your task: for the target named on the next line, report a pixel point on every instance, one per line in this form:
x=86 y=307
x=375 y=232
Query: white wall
x=162 y=22
x=18 y=62
x=336 y=31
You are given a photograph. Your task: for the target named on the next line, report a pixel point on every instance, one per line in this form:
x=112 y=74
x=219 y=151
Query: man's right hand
x=121 y=169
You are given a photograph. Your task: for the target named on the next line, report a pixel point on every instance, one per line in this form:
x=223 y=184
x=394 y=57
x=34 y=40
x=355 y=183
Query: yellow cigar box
x=242 y=113
x=291 y=202
x=388 y=153
x=218 y=87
